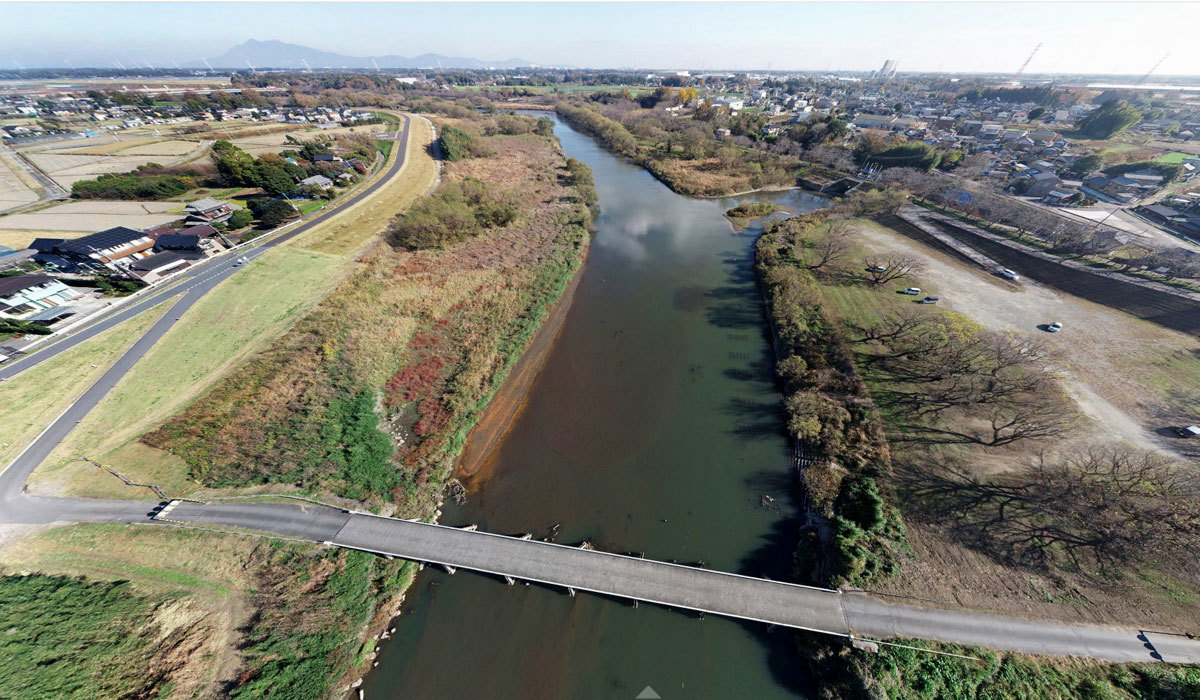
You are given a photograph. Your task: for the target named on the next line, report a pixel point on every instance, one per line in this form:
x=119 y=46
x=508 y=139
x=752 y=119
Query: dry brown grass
x=466 y=300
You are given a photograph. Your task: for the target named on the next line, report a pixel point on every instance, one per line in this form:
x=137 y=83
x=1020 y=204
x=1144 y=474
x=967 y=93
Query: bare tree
x=833 y=248
x=1099 y=505
x=1042 y=412
x=882 y=269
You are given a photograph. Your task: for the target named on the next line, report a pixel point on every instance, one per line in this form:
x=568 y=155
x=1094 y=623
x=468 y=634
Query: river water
x=654 y=426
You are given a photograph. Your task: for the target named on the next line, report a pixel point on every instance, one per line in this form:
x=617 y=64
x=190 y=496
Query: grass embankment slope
x=30 y=399
x=292 y=617
x=911 y=465
x=429 y=333
x=178 y=613
x=227 y=326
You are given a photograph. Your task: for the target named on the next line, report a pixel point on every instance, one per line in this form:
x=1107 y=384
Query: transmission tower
x=1153 y=68
x=1021 y=70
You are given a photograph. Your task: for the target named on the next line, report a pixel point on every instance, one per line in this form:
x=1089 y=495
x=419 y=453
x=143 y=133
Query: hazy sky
x=1096 y=37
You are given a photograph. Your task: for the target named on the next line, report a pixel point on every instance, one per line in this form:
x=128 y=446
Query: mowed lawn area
x=31 y=399
x=225 y=327
x=1174 y=158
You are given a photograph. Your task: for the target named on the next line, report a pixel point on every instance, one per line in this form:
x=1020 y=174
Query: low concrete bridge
x=852 y=615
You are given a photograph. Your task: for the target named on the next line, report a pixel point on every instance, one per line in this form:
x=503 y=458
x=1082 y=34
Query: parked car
x=1054 y=327
x=929 y=300
x=911 y=290
x=1009 y=274
x=877 y=268
x=1189 y=431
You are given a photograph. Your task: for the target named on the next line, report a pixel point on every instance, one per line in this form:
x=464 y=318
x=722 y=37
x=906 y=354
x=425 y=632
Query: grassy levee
x=30 y=399
x=223 y=330
x=917 y=675
x=428 y=333
x=290 y=395
x=70 y=638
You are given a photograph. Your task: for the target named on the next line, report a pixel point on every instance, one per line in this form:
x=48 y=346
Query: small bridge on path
x=853 y=615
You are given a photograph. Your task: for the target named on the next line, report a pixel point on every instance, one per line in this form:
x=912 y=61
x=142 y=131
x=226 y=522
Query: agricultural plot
x=14 y=188
x=258 y=144
x=90 y=217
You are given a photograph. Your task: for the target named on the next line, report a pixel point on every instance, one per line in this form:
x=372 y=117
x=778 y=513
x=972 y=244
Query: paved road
x=199 y=278
x=15 y=505
x=690 y=588
x=646 y=580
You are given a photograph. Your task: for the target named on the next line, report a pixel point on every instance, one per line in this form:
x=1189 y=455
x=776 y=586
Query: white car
x=1009 y=274
x=911 y=290
x=1054 y=327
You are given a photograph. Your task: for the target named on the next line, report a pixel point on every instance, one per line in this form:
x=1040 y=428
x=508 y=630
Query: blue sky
x=1100 y=37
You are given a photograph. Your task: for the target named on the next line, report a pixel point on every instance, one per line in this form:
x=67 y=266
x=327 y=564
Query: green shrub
x=458 y=210
x=455 y=143
x=132 y=186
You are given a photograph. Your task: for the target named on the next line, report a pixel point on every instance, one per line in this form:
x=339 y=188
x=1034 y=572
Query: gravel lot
x=1101 y=346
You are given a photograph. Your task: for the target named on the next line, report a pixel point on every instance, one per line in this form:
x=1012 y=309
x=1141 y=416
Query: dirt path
x=1097 y=343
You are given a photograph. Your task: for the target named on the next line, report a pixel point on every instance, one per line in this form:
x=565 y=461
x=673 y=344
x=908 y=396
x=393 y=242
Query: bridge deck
x=601 y=572
x=678 y=586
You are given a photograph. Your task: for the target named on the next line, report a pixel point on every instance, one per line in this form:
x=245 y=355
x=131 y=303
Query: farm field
x=16 y=186
x=80 y=218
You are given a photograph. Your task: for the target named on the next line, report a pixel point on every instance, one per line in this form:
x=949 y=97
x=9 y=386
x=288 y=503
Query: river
x=654 y=426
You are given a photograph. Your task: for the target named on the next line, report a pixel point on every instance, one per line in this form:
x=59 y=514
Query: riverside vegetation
x=370 y=396
x=833 y=365
x=886 y=400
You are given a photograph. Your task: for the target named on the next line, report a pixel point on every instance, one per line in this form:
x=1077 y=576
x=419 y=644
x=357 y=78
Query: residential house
x=112 y=248
x=22 y=295
x=1042 y=184
x=209 y=211
x=155 y=267
x=317 y=181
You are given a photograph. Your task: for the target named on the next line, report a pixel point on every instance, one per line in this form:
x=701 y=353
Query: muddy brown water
x=653 y=426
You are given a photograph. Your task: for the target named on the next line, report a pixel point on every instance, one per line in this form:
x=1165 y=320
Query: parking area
x=1109 y=358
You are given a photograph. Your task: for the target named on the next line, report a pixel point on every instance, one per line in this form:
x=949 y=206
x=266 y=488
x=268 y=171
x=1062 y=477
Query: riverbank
x=304 y=415
x=933 y=469
x=506 y=405
x=702 y=167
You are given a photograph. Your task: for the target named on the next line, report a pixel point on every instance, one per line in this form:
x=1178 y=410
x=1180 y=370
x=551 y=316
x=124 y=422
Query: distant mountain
x=278 y=54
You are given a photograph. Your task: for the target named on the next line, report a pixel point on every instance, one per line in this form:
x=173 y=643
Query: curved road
x=849 y=614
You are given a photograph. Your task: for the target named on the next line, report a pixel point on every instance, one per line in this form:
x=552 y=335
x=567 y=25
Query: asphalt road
x=199 y=278
x=15 y=505
x=690 y=588
x=656 y=582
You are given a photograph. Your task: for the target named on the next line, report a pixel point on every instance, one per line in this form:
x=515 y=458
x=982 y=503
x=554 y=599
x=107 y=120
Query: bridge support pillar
x=449 y=569
x=571 y=591
x=509 y=580
x=470 y=528
x=527 y=536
